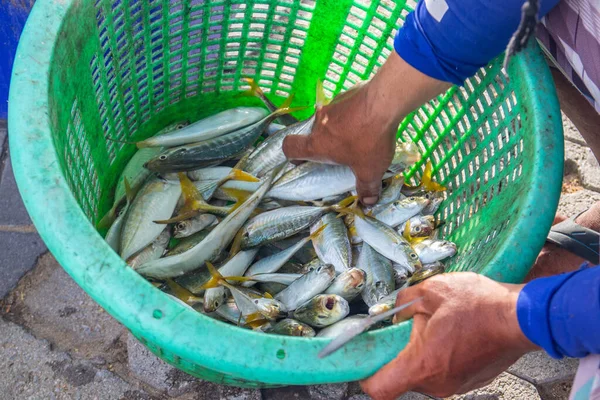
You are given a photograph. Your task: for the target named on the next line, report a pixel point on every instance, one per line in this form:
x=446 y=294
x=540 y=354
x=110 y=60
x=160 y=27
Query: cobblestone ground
x=56 y=343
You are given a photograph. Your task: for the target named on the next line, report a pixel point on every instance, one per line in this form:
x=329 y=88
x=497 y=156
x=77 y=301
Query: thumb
x=394 y=379
x=368 y=190
x=298 y=147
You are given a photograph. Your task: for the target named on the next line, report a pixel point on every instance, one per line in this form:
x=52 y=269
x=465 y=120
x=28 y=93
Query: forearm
x=562 y=313
x=449 y=40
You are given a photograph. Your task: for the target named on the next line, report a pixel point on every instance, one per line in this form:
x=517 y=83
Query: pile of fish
x=230 y=228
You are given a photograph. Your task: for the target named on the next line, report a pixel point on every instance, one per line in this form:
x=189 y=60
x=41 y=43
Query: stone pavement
x=56 y=343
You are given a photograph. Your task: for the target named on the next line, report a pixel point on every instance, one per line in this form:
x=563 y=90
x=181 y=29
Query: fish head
x=161 y=162
x=435 y=200
x=163 y=239
x=211 y=303
x=444 y=248
x=413 y=260
x=422 y=226
x=354 y=279
x=270 y=308
x=379 y=308
x=326 y=307
x=380 y=289
x=426 y=272
x=311 y=266
x=412 y=202
x=327 y=270
x=182 y=229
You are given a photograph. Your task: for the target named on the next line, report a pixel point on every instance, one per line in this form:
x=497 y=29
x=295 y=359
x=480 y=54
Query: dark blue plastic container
x=13 y=14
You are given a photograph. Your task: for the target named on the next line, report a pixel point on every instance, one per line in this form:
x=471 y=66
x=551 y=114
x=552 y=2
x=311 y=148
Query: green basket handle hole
x=281 y=354
x=157 y=314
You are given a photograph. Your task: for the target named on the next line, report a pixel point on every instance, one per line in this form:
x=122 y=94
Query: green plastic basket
x=128 y=68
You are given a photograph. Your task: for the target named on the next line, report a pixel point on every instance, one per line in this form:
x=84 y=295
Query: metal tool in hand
x=356 y=330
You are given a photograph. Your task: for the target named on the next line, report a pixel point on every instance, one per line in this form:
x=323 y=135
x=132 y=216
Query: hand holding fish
x=446 y=356
x=359 y=127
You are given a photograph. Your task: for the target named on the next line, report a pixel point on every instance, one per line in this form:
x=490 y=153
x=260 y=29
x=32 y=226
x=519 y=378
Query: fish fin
x=181 y=293
x=238 y=278
x=236 y=245
x=178 y=218
x=256 y=324
x=129 y=194
x=427 y=183
x=254 y=91
x=108 y=218
x=344 y=203
x=353 y=209
x=321 y=97
x=369 y=213
x=239 y=175
x=216 y=279
x=253 y=317
x=317 y=232
x=288 y=102
x=268 y=295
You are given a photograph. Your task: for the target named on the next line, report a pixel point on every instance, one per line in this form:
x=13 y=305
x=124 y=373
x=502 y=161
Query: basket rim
x=198 y=339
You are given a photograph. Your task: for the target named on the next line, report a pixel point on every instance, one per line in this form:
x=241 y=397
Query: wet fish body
x=322 y=310
x=348 y=284
x=306 y=287
x=292 y=327
x=341 y=326
x=379 y=275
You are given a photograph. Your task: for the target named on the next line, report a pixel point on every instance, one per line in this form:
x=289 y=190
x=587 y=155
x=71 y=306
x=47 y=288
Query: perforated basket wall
x=127 y=68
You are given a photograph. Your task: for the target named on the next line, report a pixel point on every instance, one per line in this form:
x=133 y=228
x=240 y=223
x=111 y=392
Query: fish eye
x=181 y=226
x=180 y=126
x=217 y=303
x=162 y=157
x=417 y=229
x=319 y=269
x=412 y=198
x=414 y=256
x=256 y=301
x=360 y=285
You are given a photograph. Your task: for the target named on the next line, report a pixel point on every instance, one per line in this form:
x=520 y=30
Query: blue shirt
x=450 y=40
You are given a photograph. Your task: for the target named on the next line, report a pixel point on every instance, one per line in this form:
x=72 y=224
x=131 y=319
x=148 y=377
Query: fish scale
x=332 y=245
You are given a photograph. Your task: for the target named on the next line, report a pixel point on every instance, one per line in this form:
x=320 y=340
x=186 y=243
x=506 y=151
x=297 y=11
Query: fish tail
x=239 y=196
x=254 y=91
x=283 y=111
x=321 y=97
x=239 y=175
x=191 y=196
x=288 y=102
x=216 y=279
x=316 y=233
x=427 y=181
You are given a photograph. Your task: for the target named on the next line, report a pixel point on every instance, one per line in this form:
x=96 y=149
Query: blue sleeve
x=561 y=313
x=451 y=39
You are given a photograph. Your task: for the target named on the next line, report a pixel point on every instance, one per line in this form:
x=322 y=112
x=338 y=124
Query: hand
x=465 y=333
x=359 y=128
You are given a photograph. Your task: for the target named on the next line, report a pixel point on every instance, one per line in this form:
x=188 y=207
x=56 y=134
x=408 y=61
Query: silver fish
x=332 y=245
x=273 y=129
x=195 y=224
x=306 y=287
x=213 y=243
x=214 y=126
x=322 y=310
x=380 y=276
x=153 y=251
x=269 y=153
x=113 y=236
x=435 y=200
x=386 y=303
x=386 y=241
x=291 y=327
x=401 y=211
x=156 y=200
x=348 y=284
x=187 y=243
x=282 y=223
x=212 y=151
x=430 y=251
x=341 y=326
x=209 y=174
x=271 y=264
x=230 y=312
